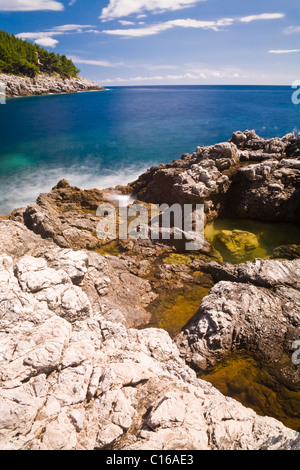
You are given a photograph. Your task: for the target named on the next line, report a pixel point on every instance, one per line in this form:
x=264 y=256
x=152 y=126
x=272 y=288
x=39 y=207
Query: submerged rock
x=237 y=243
x=287 y=252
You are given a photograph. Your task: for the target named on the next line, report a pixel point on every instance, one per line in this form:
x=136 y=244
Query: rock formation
x=45 y=84
x=73 y=379
x=247 y=177
x=79 y=367
x=253 y=307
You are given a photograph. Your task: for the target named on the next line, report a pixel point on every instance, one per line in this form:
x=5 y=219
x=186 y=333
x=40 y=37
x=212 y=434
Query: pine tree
x=19 y=57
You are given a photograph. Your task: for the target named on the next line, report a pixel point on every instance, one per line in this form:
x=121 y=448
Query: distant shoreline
x=46 y=85
x=55 y=94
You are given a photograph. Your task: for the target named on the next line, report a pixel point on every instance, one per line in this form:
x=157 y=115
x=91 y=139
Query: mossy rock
x=111 y=248
x=237 y=244
x=185 y=259
x=286 y=252
x=178 y=259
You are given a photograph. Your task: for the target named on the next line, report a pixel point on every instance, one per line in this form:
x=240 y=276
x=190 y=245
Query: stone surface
x=72 y=379
x=253 y=307
x=53 y=275
x=77 y=369
x=237 y=242
x=286 y=252
x=46 y=84
x=247 y=177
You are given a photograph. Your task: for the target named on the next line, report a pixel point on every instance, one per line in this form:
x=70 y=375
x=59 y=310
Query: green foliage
x=22 y=58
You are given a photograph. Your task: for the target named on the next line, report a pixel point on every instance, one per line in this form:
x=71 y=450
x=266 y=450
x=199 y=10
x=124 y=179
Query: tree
x=19 y=57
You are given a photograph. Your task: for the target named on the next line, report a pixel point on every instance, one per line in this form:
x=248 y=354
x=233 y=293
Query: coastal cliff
x=27 y=69
x=45 y=84
x=83 y=363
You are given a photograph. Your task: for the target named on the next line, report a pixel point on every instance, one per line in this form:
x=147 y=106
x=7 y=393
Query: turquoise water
x=101 y=139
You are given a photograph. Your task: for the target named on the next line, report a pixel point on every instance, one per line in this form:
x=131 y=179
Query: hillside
x=22 y=58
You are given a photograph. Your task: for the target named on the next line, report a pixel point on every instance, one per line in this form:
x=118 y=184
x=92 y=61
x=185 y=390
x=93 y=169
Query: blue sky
x=155 y=42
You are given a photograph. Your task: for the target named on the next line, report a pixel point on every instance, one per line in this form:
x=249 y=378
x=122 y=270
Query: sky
x=166 y=42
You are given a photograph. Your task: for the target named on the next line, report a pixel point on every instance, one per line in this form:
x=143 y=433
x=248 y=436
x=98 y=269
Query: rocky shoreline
x=46 y=84
x=81 y=368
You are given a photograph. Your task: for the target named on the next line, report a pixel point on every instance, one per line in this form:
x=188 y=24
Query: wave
x=24 y=188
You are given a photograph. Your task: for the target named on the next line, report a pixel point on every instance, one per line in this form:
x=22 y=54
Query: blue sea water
x=101 y=139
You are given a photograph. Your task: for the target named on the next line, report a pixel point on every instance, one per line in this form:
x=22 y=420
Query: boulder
x=254 y=307
x=236 y=244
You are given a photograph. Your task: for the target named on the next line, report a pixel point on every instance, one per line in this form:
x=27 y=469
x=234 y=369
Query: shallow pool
x=239 y=240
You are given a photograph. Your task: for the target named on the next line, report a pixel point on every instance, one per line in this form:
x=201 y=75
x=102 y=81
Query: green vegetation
x=22 y=58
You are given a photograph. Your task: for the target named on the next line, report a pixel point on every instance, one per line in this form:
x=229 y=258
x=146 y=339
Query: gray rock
x=82 y=383
x=255 y=308
x=215 y=177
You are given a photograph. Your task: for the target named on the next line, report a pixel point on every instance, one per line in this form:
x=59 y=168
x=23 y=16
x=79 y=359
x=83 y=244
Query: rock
x=255 y=308
x=265 y=187
x=45 y=84
x=155 y=395
x=52 y=275
x=287 y=252
x=66 y=215
x=237 y=243
x=72 y=380
x=78 y=372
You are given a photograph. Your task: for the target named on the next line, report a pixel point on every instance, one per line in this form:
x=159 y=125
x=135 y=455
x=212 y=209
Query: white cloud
x=139 y=32
x=284 y=51
x=72 y=27
x=97 y=63
x=264 y=16
x=122 y=8
x=35 y=36
x=42 y=39
x=30 y=5
x=292 y=30
x=181 y=23
x=194 y=76
x=46 y=42
x=126 y=23
x=45 y=38
x=217 y=25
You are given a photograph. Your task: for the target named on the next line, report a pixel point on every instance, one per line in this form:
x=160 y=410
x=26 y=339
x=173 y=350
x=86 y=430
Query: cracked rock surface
x=247 y=177
x=78 y=368
x=73 y=379
x=253 y=307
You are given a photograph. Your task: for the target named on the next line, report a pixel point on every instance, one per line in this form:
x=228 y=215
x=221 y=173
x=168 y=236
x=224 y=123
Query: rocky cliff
x=45 y=84
x=247 y=177
x=80 y=366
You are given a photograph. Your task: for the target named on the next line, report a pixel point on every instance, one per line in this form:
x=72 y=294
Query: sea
x=107 y=138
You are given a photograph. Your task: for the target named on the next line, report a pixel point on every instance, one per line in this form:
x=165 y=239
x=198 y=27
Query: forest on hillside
x=19 y=57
